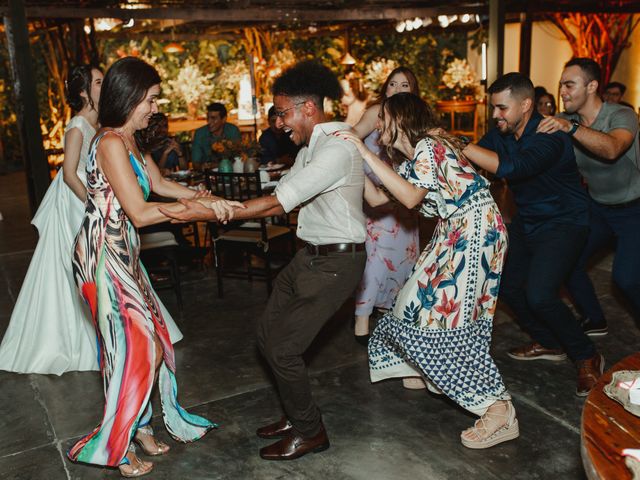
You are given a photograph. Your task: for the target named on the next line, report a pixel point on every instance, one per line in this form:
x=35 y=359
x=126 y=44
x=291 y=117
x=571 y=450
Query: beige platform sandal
x=491 y=429
x=413 y=383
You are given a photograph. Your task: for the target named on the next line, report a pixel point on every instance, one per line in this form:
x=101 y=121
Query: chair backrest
x=239 y=187
x=234 y=186
x=186 y=150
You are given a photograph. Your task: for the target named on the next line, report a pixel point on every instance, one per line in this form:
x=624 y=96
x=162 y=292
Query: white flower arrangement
x=377 y=72
x=191 y=85
x=229 y=75
x=459 y=79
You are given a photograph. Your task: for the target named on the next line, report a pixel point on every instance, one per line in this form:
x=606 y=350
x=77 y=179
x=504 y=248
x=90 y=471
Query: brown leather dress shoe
x=588 y=373
x=535 y=351
x=281 y=428
x=295 y=446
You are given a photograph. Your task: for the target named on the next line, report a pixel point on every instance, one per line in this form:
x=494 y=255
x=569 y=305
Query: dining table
x=607 y=429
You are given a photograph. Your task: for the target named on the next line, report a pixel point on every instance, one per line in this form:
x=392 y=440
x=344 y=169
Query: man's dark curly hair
x=308 y=79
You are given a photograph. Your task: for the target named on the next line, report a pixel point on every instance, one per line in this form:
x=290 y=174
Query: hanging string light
x=444 y=21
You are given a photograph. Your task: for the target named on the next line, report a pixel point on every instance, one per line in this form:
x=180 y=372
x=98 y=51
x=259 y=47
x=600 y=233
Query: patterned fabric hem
x=457 y=360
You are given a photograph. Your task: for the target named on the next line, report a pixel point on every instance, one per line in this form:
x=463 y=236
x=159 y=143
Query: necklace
x=130 y=144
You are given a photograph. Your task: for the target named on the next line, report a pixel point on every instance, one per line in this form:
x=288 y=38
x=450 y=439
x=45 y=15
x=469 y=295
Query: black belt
x=630 y=203
x=325 y=250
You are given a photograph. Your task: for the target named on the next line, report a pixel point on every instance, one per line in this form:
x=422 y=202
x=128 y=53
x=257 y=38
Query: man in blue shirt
x=215 y=130
x=276 y=145
x=549 y=231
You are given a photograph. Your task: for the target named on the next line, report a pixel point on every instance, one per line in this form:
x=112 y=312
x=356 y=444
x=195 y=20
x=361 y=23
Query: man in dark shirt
x=549 y=231
x=277 y=147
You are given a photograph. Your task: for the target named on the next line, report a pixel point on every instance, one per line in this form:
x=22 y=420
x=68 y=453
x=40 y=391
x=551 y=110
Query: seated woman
x=440 y=324
x=135 y=350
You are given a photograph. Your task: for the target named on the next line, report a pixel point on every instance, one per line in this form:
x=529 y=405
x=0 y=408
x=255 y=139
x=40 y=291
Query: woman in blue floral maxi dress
x=440 y=324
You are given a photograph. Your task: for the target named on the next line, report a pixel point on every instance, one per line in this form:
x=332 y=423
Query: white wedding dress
x=50 y=330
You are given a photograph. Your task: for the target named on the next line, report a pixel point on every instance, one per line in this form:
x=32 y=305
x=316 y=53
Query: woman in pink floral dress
x=441 y=321
x=392 y=230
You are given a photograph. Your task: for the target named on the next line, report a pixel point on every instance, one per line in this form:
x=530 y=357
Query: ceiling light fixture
x=106 y=24
x=173 y=47
x=347 y=60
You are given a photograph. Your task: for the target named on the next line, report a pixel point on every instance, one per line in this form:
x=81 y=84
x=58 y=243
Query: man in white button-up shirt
x=327 y=182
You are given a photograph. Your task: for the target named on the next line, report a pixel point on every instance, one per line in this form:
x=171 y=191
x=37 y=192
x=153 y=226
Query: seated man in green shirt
x=215 y=130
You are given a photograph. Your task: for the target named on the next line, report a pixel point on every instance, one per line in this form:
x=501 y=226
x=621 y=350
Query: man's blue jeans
x=609 y=224
x=537 y=266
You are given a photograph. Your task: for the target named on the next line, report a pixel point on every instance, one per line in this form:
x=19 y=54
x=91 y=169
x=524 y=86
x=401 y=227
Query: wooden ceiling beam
x=249 y=15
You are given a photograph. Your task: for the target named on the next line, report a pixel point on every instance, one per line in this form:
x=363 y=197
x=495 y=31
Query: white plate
x=268 y=168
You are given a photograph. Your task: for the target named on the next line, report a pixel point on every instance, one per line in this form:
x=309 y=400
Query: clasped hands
x=203 y=207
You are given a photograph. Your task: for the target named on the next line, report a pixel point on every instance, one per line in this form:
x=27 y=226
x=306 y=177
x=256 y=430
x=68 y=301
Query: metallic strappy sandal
x=135 y=471
x=482 y=426
x=161 y=449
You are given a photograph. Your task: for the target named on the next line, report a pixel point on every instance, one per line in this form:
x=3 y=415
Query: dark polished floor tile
x=24 y=422
x=72 y=414
x=44 y=463
x=377 y=431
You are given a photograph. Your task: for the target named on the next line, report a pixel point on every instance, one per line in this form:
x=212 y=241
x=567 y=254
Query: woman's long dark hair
x=124 y=86
x=79 y=81
x=410 y=115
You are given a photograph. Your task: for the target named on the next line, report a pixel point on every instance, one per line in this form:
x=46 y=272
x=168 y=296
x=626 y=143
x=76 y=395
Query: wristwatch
x=464 y=140
x=574 y=127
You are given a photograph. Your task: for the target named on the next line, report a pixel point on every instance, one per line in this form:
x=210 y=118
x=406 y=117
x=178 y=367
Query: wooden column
x=28 y=114
x=525 y=43
x=495 y=48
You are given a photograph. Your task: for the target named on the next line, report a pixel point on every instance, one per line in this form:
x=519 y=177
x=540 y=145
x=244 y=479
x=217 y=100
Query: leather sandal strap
x=146 y=430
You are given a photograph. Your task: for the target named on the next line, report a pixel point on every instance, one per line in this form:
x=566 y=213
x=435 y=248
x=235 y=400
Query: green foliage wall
x=424 y=51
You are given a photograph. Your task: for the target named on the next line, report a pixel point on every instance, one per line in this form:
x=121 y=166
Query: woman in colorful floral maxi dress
x=440 y=324
x=134 y=342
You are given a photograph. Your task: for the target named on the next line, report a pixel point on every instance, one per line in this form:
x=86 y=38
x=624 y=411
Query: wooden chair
x=159 y=254
x=251 y=238
x=455 y=107
x=186 y=151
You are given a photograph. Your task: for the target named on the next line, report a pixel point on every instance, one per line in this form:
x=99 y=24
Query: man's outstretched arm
x=255 y=208
x=259 y=208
